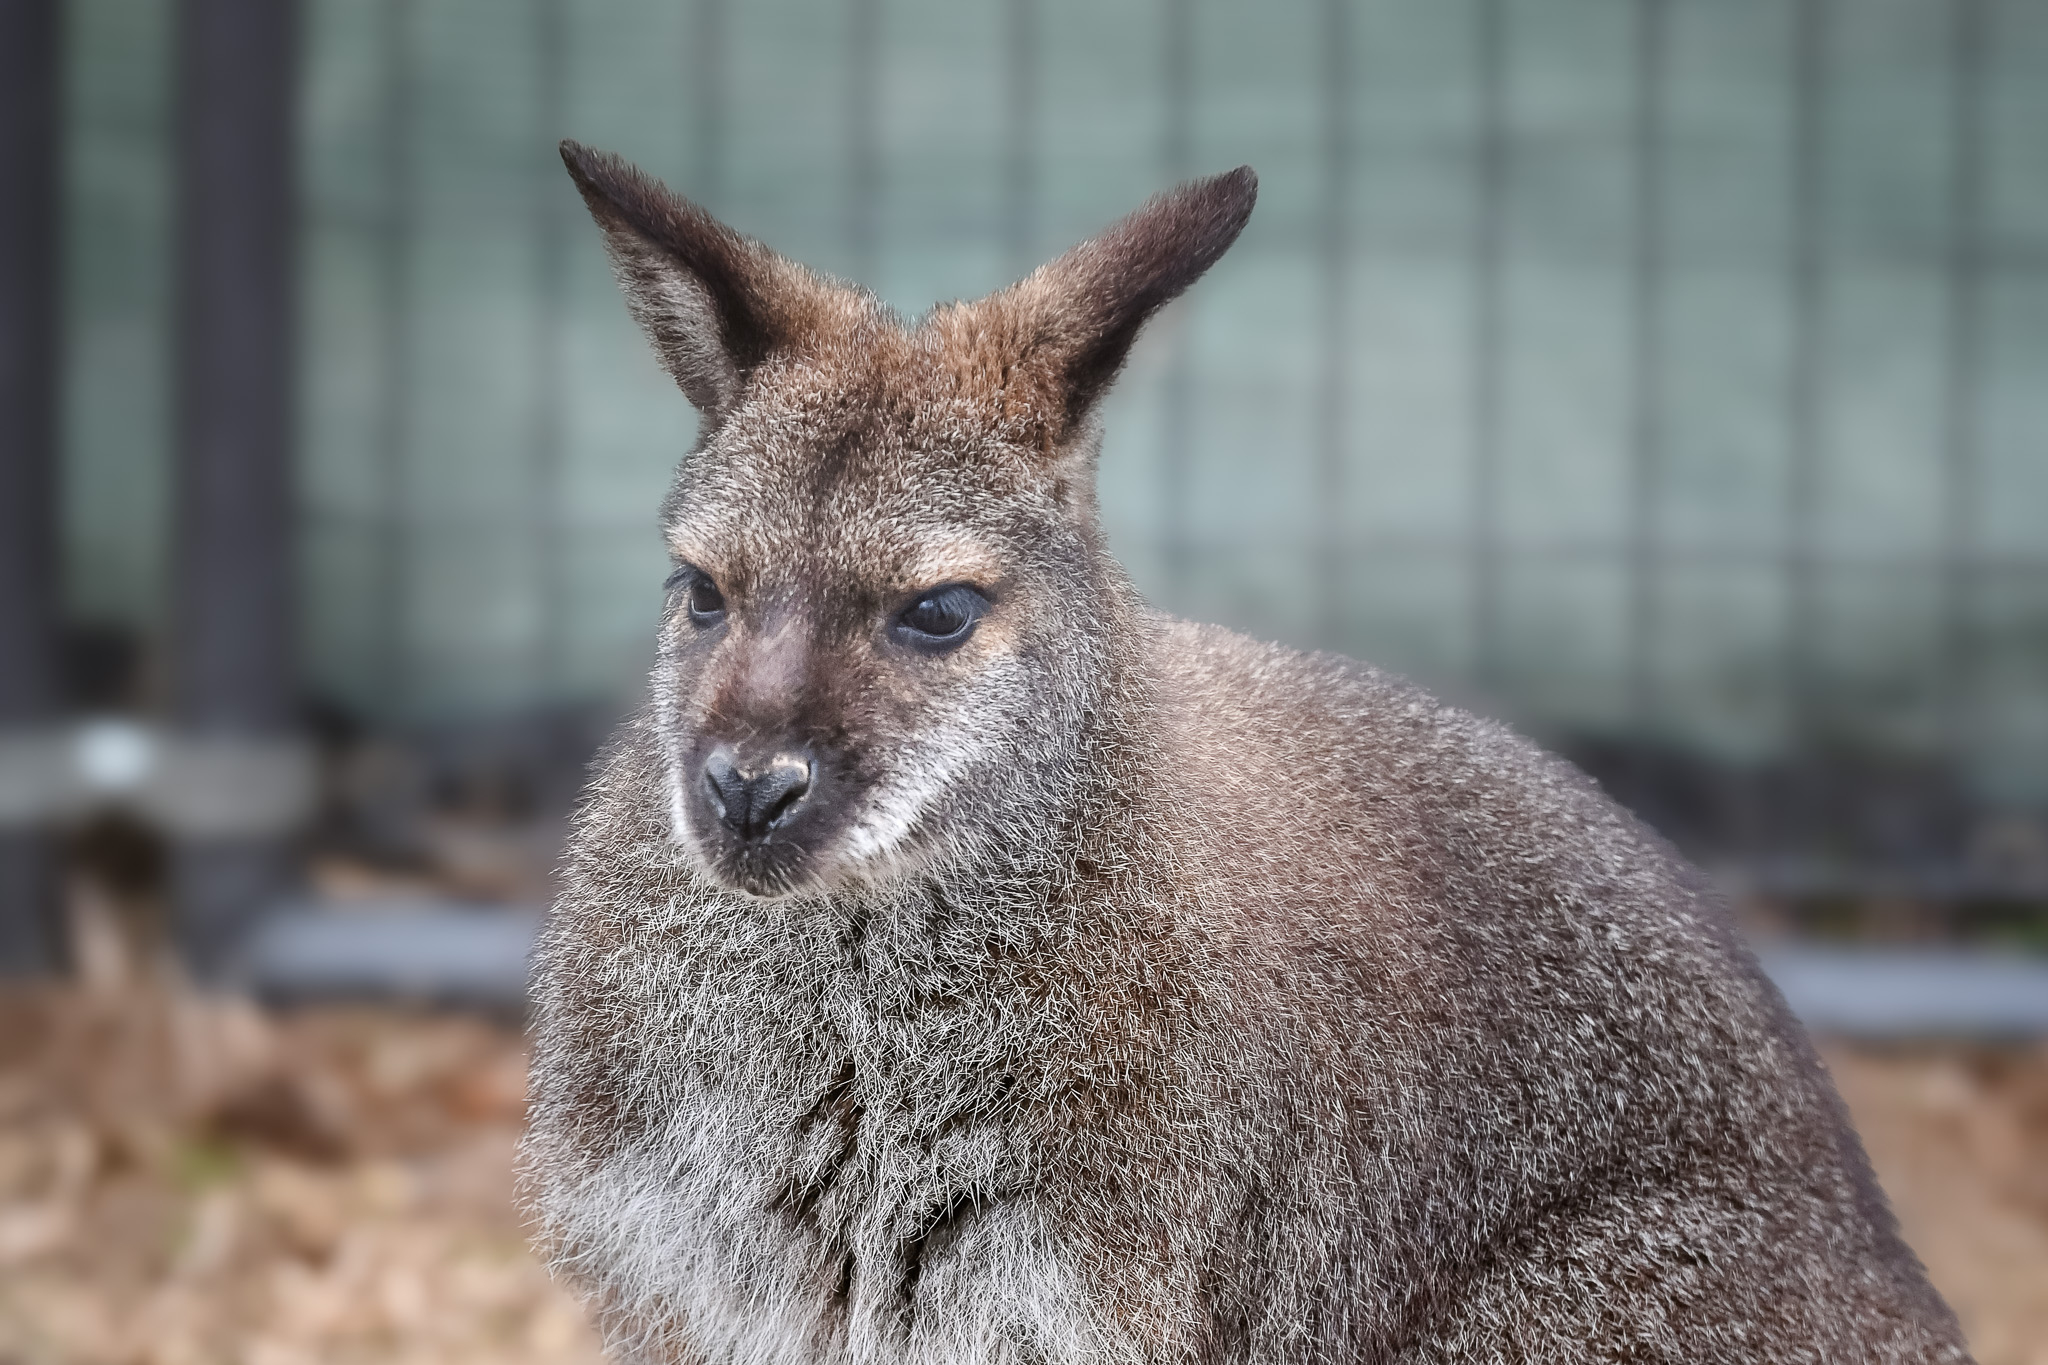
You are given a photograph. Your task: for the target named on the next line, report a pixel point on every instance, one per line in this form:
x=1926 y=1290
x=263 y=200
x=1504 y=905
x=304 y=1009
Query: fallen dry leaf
x=186 y=1181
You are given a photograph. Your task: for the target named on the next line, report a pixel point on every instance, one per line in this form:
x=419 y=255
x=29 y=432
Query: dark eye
x=942 y=618
x=706 y=603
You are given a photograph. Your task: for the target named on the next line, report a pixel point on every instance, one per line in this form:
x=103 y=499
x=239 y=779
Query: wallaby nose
x=751 y=800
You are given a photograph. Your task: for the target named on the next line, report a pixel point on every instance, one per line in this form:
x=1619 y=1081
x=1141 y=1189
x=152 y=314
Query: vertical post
x=1176 y=428
x=1962 y=362
x=1334 y=232
x=546 y=457
x=863 y=137
x=1489 y=375
x=30 y=192
x=706 y=62
x=1799 y=824
x=1020 y=135
x=395 y=355
x=1806 y=428
x=232 y=657
x=707 y=102
x=1646 y=360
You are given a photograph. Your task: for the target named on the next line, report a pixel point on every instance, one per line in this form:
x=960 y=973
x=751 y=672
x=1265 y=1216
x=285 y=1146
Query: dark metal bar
x=707 y=102
x=30 y=254
x=397 y=353
x=1962 y=365
x=232 y=667
x=1020 y=134
x=1646 y=355
x=233 y=658
x=1489 y=358
x=1805 y=806
x=863 y=137
x=1806 y=390
x=29 y=347
x=547 y=431
x=1332 y=412
x=1176 y=426
x=1177 y=86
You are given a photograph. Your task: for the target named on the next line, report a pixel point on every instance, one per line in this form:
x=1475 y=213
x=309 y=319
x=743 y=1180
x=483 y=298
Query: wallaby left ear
x=714 y=303
x=1078 y=315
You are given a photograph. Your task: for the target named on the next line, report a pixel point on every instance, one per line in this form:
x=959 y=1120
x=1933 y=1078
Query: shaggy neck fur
x=795 y=1106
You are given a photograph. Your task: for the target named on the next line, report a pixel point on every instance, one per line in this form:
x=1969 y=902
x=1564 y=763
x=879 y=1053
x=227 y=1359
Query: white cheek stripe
x=895 y=808
x=671 y=753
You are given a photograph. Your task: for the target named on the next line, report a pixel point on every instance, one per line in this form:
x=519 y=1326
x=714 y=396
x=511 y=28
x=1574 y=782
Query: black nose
x=752 y=800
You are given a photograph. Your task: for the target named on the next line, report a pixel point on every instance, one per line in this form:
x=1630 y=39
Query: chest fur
x=822 y=1145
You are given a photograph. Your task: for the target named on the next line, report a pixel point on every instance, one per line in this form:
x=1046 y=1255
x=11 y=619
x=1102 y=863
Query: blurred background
x=1664 y=376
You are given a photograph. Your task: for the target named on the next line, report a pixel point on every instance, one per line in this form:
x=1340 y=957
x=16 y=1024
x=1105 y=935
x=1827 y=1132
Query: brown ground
x=1959 y=1137
x=184 y=1182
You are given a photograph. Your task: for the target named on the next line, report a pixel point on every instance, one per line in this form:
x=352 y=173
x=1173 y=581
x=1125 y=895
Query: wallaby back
x=957 y=961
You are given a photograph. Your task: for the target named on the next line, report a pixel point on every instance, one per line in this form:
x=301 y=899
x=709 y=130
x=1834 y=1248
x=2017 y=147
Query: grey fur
x=1145 y=993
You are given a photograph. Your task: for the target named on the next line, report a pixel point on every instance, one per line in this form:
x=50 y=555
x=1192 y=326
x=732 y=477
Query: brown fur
x=1122 y=989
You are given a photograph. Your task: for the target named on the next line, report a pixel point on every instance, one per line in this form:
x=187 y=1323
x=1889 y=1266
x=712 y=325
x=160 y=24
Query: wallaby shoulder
x=1342 y=771
x=1539 y=973
x=1325 y=802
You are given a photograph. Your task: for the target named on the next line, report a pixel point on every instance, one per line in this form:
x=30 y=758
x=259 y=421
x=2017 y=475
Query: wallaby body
x=959 y=962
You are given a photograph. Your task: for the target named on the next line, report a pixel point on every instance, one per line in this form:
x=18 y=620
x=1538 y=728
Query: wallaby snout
x=760 y=796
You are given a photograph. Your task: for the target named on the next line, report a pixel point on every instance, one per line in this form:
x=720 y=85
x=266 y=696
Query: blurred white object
x=192 y=786
x=114 y=757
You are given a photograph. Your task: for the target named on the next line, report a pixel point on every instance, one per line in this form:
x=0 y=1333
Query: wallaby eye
x=706 y=603
x=941 y=619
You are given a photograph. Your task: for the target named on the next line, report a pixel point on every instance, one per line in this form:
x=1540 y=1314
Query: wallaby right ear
x=715 y=304
x=1060 y=335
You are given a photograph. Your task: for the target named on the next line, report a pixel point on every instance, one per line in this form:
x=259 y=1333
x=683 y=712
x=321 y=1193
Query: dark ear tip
x=1222 y=203
x=1239 y=189
x=584 y=163
x=612 y=187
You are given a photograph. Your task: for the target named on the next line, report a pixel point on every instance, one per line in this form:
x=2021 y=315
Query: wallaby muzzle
x=752 y=800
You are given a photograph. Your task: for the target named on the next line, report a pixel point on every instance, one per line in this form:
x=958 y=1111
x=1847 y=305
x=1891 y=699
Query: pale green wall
x=486 y=437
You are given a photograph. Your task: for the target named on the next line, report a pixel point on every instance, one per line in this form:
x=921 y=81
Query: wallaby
x=958 y=961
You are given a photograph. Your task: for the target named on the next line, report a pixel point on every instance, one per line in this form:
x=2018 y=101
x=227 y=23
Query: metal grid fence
x=1659 y=372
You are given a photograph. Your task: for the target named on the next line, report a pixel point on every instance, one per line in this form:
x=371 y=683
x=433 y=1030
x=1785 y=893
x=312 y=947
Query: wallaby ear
x=715 y=304
x=1082 y=312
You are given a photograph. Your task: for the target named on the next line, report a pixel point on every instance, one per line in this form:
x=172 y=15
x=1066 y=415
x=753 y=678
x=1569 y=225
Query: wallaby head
x=891 y=615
